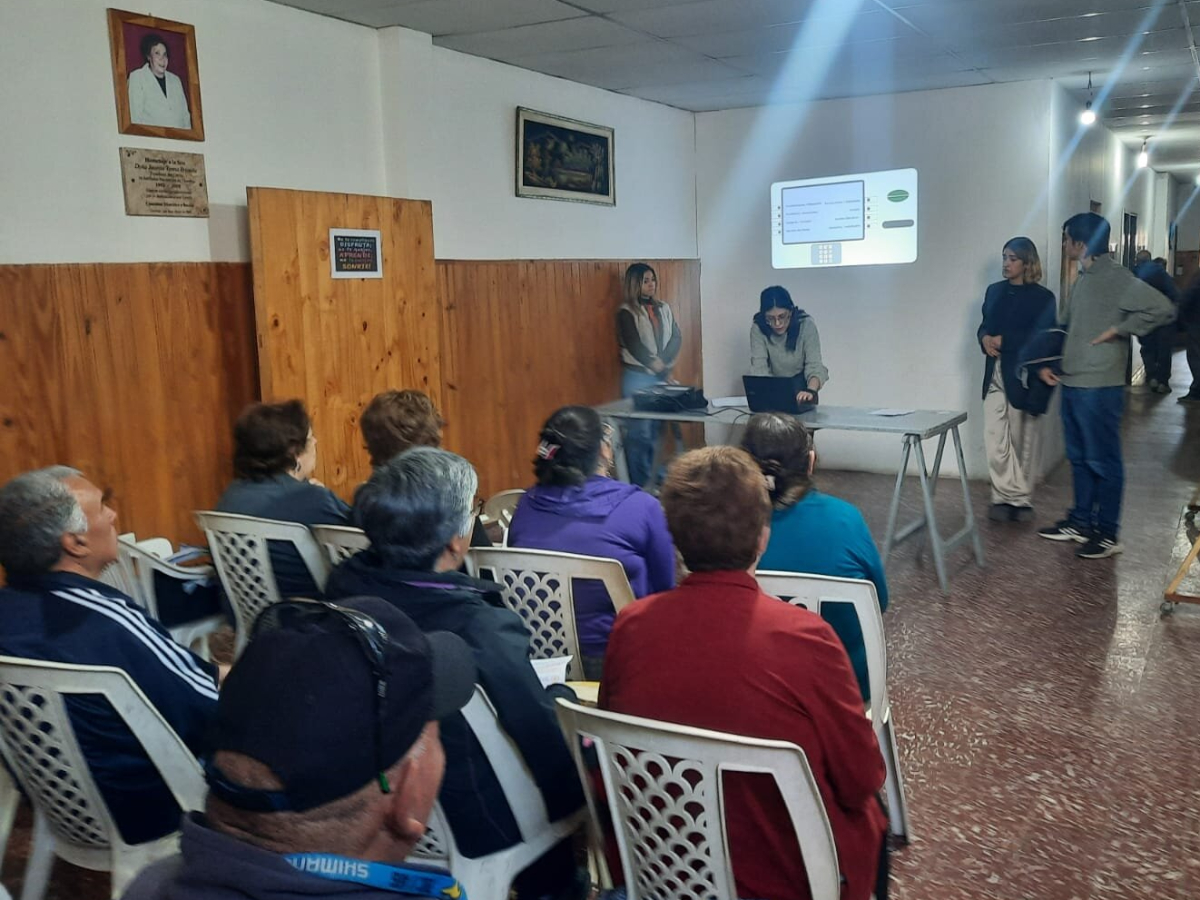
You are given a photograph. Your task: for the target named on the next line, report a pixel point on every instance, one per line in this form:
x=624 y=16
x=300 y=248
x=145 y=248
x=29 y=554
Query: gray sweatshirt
x=769 y=355
x=1107 y=295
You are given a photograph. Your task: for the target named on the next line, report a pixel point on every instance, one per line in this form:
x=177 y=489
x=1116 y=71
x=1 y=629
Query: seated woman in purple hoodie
x=576 y=508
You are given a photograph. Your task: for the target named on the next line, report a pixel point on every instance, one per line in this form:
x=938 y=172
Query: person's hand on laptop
x=804 y=396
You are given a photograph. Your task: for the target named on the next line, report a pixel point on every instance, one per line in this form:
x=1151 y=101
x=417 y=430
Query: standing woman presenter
x=1014 y=310
x=784 y=342
x=649 y=338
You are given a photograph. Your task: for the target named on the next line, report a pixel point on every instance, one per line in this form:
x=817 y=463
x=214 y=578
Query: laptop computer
x=771 y=393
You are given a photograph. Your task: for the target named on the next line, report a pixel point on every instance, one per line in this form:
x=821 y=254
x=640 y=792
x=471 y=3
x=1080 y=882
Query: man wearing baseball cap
x=326 y=760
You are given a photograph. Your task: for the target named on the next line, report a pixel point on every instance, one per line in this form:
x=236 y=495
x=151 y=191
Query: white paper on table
x=551 y=671
x=891 y=412
x=720 y=402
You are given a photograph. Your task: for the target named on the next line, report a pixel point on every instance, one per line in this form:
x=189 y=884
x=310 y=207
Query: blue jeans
x=641 y=435
x=1092 y=431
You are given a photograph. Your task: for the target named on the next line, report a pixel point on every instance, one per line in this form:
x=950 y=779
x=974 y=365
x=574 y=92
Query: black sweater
x=451 y=601
x=1016 y=312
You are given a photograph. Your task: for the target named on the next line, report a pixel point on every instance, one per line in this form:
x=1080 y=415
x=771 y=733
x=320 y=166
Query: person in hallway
x=649 y=339
x=576 y=508
x=320 y=785
x=274 y=457
x=57 y=535
x=156 y=95
x=747 y=663
x=784 y=342
x=1014 y=311
x=1189 y=321
x=813 y=532
x=1105 y=307
x=1156 y=346
x=416 y=509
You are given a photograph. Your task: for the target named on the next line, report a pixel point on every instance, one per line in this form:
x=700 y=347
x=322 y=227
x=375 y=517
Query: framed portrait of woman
x=156 y=77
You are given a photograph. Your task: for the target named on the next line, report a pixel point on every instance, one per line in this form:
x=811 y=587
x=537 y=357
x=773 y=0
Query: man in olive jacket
x=1106 y=306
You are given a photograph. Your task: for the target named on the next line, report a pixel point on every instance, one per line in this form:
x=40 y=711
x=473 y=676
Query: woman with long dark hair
x=576 y=508
x=813 y=532
x=650 y=340
x=784 y=342
x=1014 y=310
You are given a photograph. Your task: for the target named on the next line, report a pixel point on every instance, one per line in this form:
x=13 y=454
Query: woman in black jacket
x=416 y=509
x=1014 y=310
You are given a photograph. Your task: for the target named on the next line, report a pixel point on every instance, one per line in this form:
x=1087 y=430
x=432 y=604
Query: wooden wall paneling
x=131 y=373
x=522 y=338
x=337 y=342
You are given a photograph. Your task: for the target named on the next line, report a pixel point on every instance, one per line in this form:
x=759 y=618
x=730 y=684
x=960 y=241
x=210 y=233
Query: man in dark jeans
x=1105 y=307
x=1156 y=346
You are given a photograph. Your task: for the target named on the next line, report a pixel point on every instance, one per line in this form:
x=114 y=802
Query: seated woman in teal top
x=812 y=532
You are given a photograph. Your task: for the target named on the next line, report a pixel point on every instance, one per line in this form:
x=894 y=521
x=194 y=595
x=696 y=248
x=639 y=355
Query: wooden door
x=335 y=343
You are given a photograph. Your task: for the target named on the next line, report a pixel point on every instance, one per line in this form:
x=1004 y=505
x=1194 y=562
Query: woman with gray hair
x=417 y=509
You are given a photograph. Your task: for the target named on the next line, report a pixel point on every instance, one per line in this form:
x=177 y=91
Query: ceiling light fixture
x=1088 y=116
x=1143 y=159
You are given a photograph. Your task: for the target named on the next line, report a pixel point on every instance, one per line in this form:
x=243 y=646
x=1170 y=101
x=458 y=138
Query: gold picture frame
x=156 y=76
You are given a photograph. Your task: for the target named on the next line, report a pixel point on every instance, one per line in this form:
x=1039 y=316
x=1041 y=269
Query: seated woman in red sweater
x=753 y=666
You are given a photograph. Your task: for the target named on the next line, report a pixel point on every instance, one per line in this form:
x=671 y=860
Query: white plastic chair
x=240 y=551
x=339 y=542
x=538 y=586
x=71 y=819
x=814 y=591
x=10 y=799
x=499 y=508
x=490 y=877
x=139 y=561
x=666 y=801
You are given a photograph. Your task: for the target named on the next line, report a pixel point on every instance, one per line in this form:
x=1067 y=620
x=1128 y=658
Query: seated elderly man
x=56 y=536
x=326 y=760
x=416 y=509
x=753 y=666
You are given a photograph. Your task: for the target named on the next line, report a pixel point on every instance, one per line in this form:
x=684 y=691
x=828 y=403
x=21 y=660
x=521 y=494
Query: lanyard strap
x=419 y=881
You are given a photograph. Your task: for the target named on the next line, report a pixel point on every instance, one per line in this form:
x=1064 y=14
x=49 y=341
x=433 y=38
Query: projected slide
x=867 y=219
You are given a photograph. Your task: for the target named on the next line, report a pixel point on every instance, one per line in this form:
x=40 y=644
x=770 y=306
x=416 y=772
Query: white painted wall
x=290 y=100
x=450 y=136
x=892 y=336
x=296 y=100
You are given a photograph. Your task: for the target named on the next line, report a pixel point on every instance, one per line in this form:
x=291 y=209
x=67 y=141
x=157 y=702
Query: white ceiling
x=717 y=54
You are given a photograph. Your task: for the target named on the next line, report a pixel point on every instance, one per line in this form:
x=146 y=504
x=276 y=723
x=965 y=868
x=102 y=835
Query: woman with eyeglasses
x=784 y=342
x=274 y=457
x=576 y=508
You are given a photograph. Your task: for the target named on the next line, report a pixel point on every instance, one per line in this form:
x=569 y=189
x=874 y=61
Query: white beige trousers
x=1010 y=438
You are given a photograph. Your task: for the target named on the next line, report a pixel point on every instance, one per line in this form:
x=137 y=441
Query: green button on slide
x=898 y=196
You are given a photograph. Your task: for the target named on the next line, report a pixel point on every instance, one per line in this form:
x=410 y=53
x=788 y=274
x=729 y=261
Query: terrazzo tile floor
x=1048 y=717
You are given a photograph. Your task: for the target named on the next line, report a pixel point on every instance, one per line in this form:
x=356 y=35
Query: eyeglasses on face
x=779 y=319
x=371 y=637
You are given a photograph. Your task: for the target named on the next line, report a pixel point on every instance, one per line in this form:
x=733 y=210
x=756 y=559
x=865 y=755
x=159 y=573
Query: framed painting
x=564 y=159
x=156 y=77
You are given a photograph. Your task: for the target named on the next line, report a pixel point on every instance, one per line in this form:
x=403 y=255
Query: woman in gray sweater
x=784 y=342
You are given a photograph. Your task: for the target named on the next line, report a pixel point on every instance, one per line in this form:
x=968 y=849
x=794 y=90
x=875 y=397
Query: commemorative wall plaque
x=164 y=183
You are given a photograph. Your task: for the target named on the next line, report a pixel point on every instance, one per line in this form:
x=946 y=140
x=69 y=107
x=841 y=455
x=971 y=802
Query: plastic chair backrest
x=40 y=747
x=537 y=586
x=243 y=561
x=813 y=592
x=499 y=508
x=521 y=792
x=143 y=558
x=339 y=542
x=666 y=801
x=119 y=573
